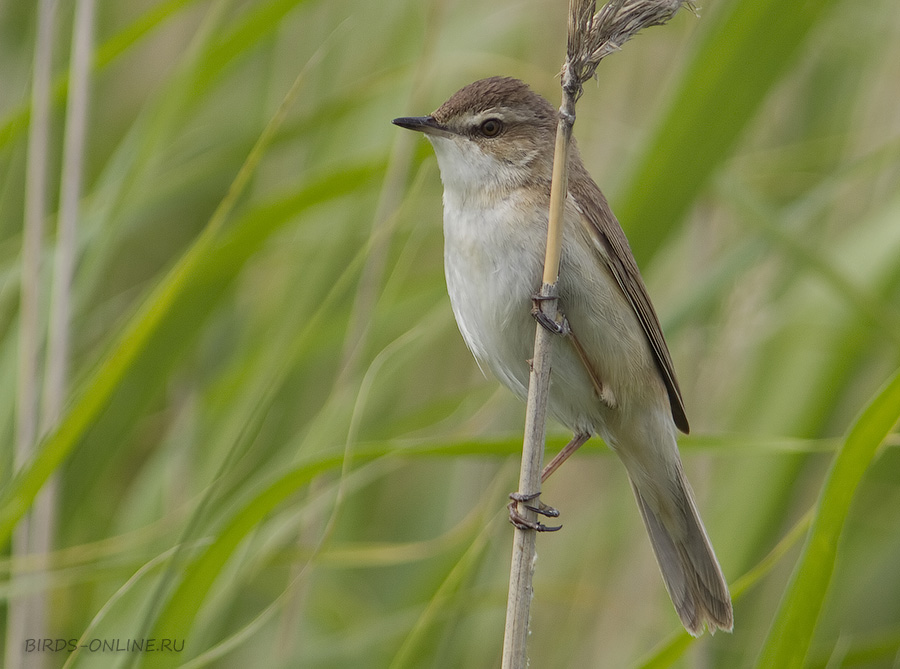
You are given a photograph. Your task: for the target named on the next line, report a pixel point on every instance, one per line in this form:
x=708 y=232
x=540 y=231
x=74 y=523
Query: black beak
x=425 y=124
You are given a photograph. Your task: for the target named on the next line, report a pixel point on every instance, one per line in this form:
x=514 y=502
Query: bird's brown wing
x=604 y=229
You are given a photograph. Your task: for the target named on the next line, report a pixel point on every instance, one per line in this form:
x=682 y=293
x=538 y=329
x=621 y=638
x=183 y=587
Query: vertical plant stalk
x=20 y=623
x=591 y=37
x=521 y=571
x=56 y=378
x=41 y=522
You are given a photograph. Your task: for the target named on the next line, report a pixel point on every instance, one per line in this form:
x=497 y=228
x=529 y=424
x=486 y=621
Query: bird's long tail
x=686 y=559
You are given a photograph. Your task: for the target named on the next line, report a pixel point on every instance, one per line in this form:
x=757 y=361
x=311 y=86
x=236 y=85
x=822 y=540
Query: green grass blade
x=194 y=285
x=16 y=122
x=411 y=650
x=136 y=337
x=145 y=24
x=258 y=23
x=792 y=630
x=748 y=47
x=178 y=616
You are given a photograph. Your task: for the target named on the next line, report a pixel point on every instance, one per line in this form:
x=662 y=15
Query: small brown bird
x=612 y=374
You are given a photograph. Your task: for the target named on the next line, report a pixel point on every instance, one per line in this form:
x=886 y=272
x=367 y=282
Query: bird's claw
x=523 y=523
x=549 y=323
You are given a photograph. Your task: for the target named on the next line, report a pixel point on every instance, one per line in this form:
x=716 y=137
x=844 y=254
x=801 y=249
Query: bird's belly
x=493 y=261
x=491 y=276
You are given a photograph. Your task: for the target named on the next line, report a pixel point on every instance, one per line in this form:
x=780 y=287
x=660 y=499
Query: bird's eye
x=491 y=127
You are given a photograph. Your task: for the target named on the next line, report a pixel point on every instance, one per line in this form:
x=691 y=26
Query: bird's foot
x=523 y=523
x=549 y=323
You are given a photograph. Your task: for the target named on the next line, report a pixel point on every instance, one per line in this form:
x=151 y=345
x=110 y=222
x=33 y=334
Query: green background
x=275 y=445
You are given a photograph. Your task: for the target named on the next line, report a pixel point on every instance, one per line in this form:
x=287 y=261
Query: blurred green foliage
x=277 y=447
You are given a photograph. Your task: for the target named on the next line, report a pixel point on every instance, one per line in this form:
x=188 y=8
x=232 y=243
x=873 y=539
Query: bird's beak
x=425 y=124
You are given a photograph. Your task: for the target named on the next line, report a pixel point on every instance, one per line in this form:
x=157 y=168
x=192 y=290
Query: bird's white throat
x=470 y=171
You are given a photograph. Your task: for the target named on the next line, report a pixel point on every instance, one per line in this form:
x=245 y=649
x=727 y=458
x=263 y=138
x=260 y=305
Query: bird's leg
x=576 y=443
x=558 y=327
x=518 y=519
x=561 y=327
x=524 y=523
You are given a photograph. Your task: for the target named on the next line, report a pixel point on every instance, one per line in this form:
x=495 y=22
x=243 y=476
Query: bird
x=612 y=374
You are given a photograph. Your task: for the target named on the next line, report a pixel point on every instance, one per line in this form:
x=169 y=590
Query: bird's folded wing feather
x=613 y=247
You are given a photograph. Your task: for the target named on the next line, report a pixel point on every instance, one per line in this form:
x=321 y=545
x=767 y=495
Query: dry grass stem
x=26 y=614
x=593 y=35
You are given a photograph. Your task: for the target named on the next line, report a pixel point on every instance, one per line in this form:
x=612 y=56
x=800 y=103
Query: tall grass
x=275 y=445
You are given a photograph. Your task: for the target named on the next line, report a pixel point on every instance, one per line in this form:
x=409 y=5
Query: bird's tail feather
x=686 y=559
